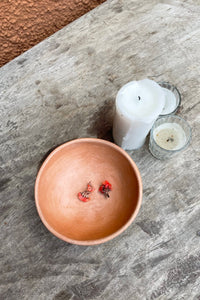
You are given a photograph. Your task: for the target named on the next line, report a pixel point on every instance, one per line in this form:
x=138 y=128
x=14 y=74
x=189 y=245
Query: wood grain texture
x=65 y=88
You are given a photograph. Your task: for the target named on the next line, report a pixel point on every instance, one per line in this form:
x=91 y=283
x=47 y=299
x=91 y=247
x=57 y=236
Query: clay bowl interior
x=67 y=170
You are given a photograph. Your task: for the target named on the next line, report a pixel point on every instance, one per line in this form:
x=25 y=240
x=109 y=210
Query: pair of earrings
x=104 y=188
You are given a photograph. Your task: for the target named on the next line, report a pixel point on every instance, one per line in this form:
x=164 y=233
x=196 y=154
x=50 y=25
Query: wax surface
x=170 y=136
x=138 y=104
x=170 y=102
x=139 y=99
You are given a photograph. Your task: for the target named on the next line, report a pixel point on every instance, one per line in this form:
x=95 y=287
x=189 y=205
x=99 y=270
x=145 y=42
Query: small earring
x=84 y=196
x=105 y=188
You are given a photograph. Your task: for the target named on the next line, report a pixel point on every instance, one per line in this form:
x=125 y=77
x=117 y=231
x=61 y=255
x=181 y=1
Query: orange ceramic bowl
x=66 y=172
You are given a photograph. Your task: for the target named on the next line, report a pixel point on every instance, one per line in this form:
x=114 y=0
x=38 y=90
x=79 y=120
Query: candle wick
x=170 y=139
x=139 y=97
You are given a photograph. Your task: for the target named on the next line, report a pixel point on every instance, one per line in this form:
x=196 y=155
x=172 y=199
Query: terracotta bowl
x=66 y=172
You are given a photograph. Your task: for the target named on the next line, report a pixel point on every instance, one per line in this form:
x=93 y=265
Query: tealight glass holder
x=173 y=98
x=169 y=135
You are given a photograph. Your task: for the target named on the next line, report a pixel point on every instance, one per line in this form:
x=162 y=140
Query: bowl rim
x=100 y=240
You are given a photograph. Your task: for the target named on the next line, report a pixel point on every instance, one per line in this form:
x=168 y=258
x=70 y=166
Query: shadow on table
x=46 y=155
x=101 y=126
x=101 y=121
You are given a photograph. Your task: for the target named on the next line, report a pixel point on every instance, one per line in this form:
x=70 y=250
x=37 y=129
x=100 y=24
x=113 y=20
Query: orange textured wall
x=24 y=23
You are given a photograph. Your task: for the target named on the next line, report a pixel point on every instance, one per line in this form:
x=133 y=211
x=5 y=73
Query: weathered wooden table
x=64 y=88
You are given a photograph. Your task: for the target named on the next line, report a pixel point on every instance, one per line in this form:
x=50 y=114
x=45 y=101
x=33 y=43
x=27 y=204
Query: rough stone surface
x=24 y=23
x=65 y=88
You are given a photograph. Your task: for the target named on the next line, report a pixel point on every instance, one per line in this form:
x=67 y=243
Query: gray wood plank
x=65 y=88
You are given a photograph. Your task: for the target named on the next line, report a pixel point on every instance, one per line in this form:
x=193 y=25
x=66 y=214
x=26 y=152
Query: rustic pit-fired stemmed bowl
x=67 y=170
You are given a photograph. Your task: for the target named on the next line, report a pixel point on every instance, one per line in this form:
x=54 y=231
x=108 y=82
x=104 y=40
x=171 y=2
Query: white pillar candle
x=138 y=104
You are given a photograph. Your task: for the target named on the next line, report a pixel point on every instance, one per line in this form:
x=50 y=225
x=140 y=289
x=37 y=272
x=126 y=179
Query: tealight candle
x=172 y=98
x=138 y=104
x=169 y=135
